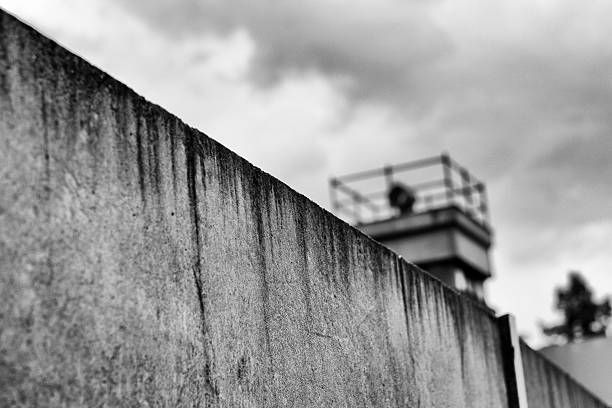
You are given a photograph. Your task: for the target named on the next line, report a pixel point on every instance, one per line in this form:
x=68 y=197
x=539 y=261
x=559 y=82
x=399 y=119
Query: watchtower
x=432 y=211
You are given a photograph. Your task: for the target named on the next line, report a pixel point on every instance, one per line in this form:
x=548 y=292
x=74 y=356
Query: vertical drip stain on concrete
x=5 y=64
x=139 y=156
x=154 y=158
x=173 y=135
x=190 y=163
x=300 y=229
x=46 y=149
x=193 y=157
x=384 y=262
x=256 y=201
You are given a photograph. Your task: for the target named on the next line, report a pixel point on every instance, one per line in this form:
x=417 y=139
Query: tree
x=583 y=317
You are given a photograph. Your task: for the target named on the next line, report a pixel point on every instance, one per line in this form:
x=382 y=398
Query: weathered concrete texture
x=550 y=387
x=142 y=263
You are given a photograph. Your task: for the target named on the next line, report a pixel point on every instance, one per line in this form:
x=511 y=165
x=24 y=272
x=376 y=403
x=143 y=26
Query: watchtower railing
x=438 y=182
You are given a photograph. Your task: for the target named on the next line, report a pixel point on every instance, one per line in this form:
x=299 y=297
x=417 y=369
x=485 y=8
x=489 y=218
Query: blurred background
x=519 y=92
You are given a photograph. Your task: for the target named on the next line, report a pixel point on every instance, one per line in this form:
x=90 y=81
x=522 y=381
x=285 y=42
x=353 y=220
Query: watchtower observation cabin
x=432 y=212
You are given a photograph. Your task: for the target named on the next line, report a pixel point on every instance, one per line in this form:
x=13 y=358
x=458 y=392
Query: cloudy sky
x=519 y=91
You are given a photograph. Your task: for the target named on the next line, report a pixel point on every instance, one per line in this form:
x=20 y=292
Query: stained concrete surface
x=144 y=264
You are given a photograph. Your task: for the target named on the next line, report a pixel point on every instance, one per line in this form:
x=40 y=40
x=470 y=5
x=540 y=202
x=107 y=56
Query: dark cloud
x=495 y=77
x=571 y=182
x=376 y=49
x=520 y=93
x=387 y=48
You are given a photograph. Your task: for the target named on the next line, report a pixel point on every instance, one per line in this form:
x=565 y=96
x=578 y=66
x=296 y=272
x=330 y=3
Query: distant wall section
x=550 y=387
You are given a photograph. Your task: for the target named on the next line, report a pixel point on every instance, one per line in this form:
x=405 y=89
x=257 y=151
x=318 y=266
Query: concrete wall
x=550 y=387
x=142 y=263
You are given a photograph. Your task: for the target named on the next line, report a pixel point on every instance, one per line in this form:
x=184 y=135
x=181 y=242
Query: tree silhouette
x=583 y=317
